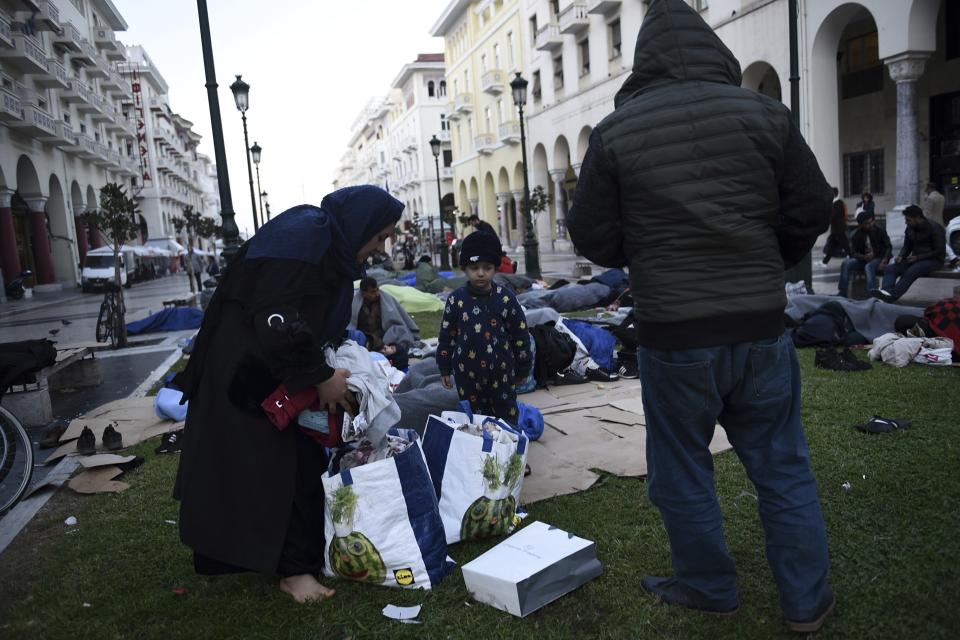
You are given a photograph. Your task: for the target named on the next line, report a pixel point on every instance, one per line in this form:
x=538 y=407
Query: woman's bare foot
x=305 y=588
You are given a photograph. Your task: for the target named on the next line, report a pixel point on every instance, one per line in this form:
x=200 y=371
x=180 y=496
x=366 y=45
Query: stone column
x=81 y=228
x=905 y=69
x=9 y=258
x=41 y=241
x=576 y=168
x=521 y=218
x=503 y=212
x=560 y=206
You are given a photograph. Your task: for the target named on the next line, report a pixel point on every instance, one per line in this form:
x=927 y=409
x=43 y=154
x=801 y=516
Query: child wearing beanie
x=484 y=343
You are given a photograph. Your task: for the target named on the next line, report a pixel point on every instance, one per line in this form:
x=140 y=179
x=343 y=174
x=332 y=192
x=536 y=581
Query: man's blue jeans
x=855 y=264
x=753 y=390
x=908 y=273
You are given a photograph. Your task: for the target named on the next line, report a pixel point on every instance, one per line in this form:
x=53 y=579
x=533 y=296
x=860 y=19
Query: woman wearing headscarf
x=250 y=495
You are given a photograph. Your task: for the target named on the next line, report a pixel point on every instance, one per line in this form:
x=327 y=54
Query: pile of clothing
x=900 y=350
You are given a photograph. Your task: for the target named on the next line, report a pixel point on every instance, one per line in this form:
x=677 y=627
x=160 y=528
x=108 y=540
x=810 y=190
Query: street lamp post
x=266 y=204
x=241 y=95
x=231 y=234
x=444 y=253
x=255 y=152
x=531 y=247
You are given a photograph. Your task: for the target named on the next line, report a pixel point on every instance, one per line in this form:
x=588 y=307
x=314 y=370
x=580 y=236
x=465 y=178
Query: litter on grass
x=71 y=521
x=406 y=615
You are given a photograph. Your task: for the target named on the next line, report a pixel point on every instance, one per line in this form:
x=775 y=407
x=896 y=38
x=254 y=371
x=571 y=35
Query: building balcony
x=86 y=54
x=56 y=78
x=27 y=56
x=444 y=135
x=87 y=147
x=62 y=134
x=43 y=16
x=6 y=35
x=35 y=122
x=163 y=165
x=603 y=7
x=492 y=82
x=485 y=143
x=510 y=132
x=549 y=37
x=107 y=41
x=11 y=110
x=102 y=157
x=452 y=113
x=410 y=145
x=107 y=112
x=464 y=103
x=100 y=69
x=574 y=19
x=446 y=173
x=69 y=38
x=113 y=82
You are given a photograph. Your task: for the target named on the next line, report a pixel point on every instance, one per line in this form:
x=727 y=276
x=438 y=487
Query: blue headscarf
x=345 y=221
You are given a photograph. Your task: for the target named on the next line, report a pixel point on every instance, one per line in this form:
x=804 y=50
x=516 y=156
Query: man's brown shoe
x=812 y=626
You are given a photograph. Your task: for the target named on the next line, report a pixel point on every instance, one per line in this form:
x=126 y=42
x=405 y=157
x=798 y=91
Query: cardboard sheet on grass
x=135 y=420
x=589 y=426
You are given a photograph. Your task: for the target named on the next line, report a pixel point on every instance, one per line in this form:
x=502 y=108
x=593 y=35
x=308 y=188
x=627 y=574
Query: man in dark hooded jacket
x=712 y=192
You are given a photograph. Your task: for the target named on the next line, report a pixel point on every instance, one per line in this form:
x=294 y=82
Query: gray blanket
x=536 y=317
x=872 y=318
x=398 y=327
x=421 y=394
x=512 y=281
x=571 y=297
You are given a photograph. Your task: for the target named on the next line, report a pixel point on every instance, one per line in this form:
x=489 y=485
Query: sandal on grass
x=879 y=424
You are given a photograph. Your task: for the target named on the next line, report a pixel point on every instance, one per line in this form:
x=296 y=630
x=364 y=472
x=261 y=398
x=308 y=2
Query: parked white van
x=98 y=268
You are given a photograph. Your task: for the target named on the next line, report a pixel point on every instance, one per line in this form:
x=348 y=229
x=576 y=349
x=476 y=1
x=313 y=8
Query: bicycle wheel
x=16 y=460
x=102 y=319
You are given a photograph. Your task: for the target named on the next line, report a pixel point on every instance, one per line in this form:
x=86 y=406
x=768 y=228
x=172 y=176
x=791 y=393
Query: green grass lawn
x=896 y=560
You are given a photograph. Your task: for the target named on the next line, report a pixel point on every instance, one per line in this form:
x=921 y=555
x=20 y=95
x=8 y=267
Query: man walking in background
x=707 y=191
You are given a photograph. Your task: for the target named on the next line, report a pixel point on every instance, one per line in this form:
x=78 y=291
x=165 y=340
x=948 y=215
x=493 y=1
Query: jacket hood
x=676 y=44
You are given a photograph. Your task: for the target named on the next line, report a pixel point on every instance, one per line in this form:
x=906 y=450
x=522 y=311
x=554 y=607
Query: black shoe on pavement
x=813 y=625
x=670 y=591
x=112 y=440
x=599 y=375
x=568 y=377
x=629 y=372
x=87 y=444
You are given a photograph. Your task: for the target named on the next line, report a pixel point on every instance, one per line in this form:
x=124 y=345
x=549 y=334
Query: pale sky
x=311 y=65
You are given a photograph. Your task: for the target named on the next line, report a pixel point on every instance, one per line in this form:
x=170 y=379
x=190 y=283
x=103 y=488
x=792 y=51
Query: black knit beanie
x=480 y=246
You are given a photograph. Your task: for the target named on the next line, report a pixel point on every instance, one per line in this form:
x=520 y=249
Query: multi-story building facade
x=879 y=87
x=390 y=143
x=484 y=48
x=68 y=125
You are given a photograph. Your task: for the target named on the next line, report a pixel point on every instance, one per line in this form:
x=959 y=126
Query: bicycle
x=109 y=320
x=16 y=460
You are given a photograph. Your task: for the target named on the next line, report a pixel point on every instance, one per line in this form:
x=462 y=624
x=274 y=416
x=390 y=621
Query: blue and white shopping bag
x=477 y=474
x=382 y=522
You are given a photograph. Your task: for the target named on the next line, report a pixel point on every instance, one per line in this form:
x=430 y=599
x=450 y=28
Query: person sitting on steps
x=924 y=250
x=871 y=252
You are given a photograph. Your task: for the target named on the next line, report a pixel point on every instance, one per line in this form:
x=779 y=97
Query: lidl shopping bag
x=382 y=522
x=477 y=472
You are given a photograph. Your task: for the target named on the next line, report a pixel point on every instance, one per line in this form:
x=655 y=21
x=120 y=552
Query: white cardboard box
x=531 y=568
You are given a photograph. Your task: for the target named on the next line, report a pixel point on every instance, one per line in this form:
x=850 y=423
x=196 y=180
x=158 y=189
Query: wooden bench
x=74 y=368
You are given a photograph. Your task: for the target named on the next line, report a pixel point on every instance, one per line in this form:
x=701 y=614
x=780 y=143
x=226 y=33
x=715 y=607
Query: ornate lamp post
x=531 y=246
x=241 y=95
x=266 y=204
x=231 y=234
x=255 y=152
x=444 y=252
